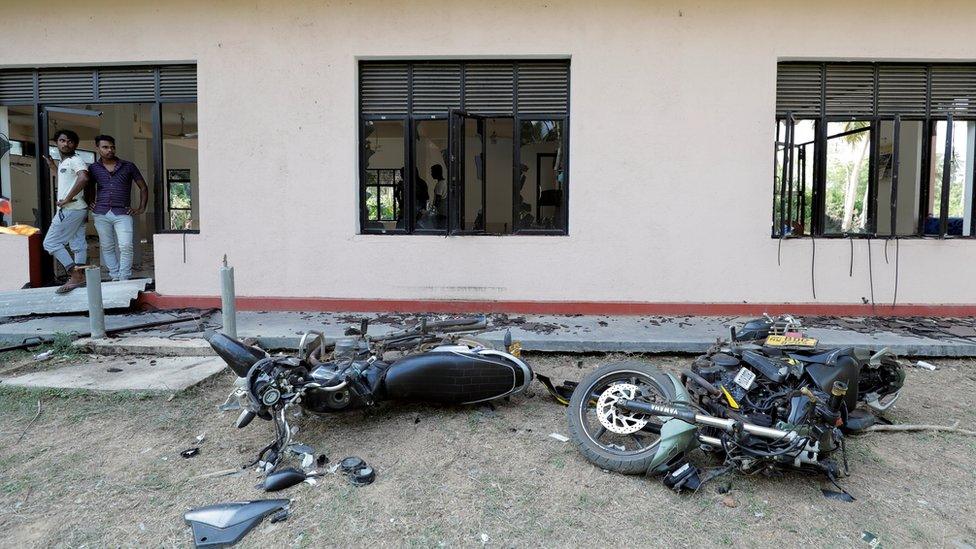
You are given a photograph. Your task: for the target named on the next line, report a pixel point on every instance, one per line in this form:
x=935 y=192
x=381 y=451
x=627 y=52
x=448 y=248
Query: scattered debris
x=839 y=496
x=730 y=502
x=40 y=357
x=322 y=460
x=221 y=473
x=871 y=539
x=357 y=471
x=285 y=478
x=954 y=428
x=37 y=415
x=114 y=370
x=926 y=365
x=201 y=436
x=190 y=452
x=560 y=438
x=225 y=524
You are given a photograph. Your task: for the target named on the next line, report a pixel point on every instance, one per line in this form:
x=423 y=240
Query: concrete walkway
x=166 y=374
x=282 y=330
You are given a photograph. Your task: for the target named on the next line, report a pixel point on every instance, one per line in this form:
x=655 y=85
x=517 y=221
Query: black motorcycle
x=429 y=362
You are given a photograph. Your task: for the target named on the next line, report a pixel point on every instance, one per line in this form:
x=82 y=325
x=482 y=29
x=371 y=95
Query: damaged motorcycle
x=766 y=400
x=432 y=362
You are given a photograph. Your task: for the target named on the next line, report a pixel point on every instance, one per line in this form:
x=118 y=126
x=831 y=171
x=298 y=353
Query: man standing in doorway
x=113 y=215
x=68 y=226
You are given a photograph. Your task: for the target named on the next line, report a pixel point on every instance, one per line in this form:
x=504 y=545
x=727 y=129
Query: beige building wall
x=672 y=108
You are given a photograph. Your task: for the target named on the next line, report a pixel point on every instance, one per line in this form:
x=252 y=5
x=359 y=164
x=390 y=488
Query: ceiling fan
x=183 y=133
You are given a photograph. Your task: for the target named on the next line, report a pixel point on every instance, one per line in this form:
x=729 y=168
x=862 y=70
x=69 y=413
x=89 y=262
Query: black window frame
x=411 y=120
x=820 y=115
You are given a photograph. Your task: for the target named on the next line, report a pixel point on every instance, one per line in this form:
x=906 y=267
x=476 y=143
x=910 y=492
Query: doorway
x=131 y=124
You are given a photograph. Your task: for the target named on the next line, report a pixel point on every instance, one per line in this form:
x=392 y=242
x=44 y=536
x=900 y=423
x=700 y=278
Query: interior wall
x=672 y=110
x=909 y=178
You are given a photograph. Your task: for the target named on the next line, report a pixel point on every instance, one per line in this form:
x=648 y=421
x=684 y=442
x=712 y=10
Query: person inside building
x=112 y=210
x=71 y=216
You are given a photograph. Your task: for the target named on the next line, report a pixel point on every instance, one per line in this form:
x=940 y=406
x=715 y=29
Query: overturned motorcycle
x=765 y=400
x=430 y=362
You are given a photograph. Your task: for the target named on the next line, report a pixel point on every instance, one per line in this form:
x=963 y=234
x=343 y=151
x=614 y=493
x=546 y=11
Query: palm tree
x=850 y=190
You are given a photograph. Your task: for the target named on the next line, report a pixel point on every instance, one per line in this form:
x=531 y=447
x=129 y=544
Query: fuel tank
x=239 y=357
x=455 y=374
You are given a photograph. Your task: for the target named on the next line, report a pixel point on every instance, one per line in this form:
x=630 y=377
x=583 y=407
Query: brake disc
x=616 y=420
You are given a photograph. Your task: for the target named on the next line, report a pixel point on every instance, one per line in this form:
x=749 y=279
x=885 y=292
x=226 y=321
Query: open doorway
x=131 y=124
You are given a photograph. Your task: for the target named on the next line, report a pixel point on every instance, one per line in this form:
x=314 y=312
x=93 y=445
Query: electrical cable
x=851 y=273
x=779 y=252
x=895 y=298
x=887 y=240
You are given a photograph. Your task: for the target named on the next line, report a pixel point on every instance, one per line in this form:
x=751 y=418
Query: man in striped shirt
x=112 y=210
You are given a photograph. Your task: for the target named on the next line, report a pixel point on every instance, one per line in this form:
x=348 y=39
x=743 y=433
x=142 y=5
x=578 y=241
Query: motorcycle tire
x=604 y=455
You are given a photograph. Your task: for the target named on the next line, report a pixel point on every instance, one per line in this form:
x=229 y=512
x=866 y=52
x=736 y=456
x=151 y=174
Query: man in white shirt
x=68 y=226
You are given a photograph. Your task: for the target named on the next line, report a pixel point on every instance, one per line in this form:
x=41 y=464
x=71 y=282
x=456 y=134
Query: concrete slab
x=164 y=374
x=142 y=345
x=39 y=301
x=565 y=333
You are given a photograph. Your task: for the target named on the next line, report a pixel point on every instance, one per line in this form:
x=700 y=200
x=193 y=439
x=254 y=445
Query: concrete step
x=145 y=345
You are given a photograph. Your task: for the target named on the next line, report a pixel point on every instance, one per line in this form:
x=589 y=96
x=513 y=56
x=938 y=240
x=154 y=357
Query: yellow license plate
x=790 y=341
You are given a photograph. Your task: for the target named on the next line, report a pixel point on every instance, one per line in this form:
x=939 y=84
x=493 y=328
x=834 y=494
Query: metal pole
x=228 y=306
x=96 y=310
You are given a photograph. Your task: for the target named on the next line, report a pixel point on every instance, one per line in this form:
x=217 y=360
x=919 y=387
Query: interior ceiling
x=24 y=116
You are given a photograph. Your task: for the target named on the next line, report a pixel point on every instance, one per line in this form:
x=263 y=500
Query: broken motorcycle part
x=357 y=471
x=425 y=363
x=757 y=405
x=225 y=524
x=284 y=478
x=190 y=452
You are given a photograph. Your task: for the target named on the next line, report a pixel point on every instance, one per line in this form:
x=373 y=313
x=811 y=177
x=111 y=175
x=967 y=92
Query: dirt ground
x=98 y=471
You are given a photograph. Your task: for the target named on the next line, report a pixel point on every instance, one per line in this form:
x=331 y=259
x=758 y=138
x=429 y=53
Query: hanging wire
x=779 y=252
x=895 y=298
x=851 y=273
x=887 y=240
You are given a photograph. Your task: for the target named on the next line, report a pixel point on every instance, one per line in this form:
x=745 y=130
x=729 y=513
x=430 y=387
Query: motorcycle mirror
x=508 y=338
x=732 y=333
x=363 y=326
x=279 y=480
x=245 y=418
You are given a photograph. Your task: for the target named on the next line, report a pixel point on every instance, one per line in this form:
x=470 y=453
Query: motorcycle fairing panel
x=225 y=524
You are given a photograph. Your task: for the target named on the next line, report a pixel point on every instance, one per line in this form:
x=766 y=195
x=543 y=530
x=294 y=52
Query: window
x=874 y=149
x=464 y=147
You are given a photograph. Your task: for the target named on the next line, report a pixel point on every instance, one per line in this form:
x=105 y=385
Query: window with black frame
x=464 y=147
x=874 y=150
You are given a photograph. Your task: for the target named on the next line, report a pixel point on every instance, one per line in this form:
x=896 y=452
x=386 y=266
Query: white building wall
x=672 y=108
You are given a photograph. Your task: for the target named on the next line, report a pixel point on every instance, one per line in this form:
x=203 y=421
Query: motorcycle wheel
x=611 y=438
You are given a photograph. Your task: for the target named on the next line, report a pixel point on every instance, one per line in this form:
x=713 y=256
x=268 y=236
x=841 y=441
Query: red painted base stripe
x=153 y=300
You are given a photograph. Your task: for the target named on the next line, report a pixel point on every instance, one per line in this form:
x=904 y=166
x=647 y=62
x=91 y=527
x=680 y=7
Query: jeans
x=115 y=237
x=68 y=228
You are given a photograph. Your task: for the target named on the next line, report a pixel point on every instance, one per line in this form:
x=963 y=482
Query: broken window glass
x=383 y=158
x=541 y=185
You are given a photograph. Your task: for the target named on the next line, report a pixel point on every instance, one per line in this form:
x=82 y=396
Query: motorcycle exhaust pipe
x=689 y=416
x=239 y=357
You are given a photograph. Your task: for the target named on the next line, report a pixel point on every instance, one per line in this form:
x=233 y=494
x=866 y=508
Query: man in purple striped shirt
x=113 y=212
